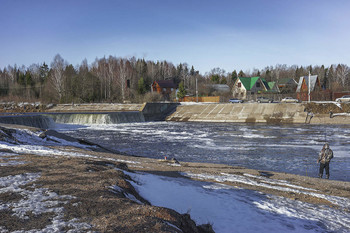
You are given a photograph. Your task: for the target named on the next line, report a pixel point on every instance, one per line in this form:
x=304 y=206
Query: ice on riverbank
x=229 y=208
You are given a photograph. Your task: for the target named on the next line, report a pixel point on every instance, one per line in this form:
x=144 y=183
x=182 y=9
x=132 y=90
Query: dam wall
x=157 y=111
x=37 y=121
x=241 y=113
x=92 y=114
x=215 y=112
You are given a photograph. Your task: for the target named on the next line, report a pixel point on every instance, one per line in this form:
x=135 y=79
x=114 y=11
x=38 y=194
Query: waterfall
x=98 y=118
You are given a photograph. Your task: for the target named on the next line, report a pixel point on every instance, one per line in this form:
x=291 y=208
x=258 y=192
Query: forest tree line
x=116 y=79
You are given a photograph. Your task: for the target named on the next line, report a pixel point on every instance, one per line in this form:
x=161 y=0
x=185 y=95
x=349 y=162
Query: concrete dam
x=92 y=114
x=241 y=113
x=271 y=113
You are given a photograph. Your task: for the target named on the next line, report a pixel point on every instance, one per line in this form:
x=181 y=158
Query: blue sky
x=206 y=34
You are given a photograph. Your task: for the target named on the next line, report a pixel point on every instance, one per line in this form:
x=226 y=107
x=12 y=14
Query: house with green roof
x=273 y=87
x=244 y=86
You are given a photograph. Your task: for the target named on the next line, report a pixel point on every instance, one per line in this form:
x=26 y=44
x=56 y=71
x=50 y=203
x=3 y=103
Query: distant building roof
x=248 y=82
x=221 y=87
x=166 y=83
x=285 y=81
x=271 y=84
x=313 y=80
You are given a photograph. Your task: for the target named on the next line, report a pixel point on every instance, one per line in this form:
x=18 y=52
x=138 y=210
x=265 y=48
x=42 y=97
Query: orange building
x=164 y=87
x=303 y=86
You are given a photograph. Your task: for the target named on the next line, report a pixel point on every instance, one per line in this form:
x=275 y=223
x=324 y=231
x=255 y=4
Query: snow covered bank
x=271 y=184
x=25 y=141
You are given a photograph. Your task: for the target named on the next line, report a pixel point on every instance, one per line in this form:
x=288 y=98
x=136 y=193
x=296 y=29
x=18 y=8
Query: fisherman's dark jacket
x=325 y=156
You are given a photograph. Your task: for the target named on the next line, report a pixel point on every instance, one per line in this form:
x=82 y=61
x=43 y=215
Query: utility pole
x=309 y=85
x=196 y=90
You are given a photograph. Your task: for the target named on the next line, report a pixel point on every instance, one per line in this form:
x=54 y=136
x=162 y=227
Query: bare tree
x=11 y=72
x=99 y=68
x=111 y=74
x=57 y=75
x=342 y=72
x=124 y=71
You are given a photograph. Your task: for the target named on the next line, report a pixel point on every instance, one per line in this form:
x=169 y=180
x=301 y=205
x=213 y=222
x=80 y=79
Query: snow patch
x=37 y=201
x=273 y=184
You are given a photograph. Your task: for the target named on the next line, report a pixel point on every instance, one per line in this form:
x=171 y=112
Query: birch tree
x=342 y=72
x=11 y=72
x=100 y=70
x=111 y=73
x=58 y=66
x=123 y=73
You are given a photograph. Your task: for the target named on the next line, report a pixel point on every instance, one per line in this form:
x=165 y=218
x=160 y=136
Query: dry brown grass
x=90 y=181
x=326 y=108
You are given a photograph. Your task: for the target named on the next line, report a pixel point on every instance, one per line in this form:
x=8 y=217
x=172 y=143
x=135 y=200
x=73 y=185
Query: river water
x=283 y=148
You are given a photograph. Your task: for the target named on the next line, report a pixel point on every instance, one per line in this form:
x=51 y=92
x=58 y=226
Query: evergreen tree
x=215 y=78
x=300 y=72
x=141 y=89
x=241 y=73
x=192 y=71
x=181 y=92
x=325 y=84
x=296 y=73
x=223 y=81
x=21 y=79
x=309 y=68
x=234 y=76
x=43 y=73
x=28 y=79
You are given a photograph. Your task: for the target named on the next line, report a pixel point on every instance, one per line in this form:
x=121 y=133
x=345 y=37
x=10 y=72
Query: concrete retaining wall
x=157 y=111
x=37 y=121
x=244 y=113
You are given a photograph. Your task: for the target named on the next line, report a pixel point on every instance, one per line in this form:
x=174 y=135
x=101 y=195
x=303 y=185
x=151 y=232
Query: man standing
x=324 y=157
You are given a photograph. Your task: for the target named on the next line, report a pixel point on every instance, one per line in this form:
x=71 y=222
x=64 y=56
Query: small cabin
x=164 y=87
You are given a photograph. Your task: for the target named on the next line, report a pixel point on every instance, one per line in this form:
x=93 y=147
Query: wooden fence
x=214 y=99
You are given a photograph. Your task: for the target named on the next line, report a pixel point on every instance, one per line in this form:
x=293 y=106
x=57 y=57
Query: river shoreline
x=99 y=182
